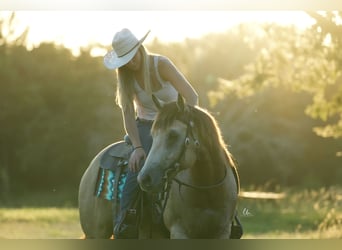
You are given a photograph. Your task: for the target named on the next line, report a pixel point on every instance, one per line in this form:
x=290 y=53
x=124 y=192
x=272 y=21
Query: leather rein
x=176 y=167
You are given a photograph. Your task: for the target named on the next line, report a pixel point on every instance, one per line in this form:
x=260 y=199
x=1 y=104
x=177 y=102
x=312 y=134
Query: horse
x=189 y=160
x=196 y=179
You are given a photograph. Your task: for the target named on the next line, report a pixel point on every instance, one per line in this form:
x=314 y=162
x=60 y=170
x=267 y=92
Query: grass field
x=305 y=214
x=309 y=214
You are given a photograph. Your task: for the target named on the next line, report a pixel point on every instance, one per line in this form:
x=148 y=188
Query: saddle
x=113 y=170
x=116 y=155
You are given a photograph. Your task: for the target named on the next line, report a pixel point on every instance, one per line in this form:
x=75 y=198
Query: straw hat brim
x=112 y=61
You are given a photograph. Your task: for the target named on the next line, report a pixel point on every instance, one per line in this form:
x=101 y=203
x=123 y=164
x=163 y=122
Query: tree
x=308 y=61
x=328 y=102
x=8 y=39
x=294 y=71
x=57 y=112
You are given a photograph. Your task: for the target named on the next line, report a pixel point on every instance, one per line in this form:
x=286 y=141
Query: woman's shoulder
x=163 y=59
x=163 y=66
x=160 y=58
x=162 y=62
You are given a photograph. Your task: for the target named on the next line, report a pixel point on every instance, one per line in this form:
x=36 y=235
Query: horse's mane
x=205 y=125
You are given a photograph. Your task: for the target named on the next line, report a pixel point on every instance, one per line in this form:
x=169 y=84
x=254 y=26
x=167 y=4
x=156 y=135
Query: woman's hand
x=136 y=160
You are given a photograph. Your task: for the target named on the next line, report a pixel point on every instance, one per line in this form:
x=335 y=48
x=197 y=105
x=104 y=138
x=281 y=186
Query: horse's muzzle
x=149 y=183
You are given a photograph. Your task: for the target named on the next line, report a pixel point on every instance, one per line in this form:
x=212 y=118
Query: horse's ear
x=156 y=102
x=180 y=103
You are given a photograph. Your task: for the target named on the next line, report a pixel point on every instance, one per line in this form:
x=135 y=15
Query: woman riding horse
x=141 y=74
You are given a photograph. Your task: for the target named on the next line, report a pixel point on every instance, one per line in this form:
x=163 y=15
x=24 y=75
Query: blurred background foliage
x=276 y=92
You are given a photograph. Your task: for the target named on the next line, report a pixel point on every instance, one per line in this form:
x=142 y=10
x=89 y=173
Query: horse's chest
x=196 y=220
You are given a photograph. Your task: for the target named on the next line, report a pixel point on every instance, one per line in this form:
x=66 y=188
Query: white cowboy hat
x=125 y=46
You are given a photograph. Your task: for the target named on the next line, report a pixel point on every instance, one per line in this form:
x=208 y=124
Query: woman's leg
x=131 y=189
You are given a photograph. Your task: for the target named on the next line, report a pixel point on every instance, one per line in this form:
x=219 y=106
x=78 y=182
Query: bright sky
x=79 y=28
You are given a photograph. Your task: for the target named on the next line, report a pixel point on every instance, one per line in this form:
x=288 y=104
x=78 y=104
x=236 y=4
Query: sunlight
x=75 y=29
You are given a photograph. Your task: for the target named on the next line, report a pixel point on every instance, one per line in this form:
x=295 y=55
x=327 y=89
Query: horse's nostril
x=145 y=181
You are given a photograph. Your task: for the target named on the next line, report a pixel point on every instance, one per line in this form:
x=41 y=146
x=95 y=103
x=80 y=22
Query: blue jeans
x=131 y=189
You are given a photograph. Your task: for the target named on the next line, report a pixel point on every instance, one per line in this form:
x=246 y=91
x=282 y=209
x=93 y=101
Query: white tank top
x=144 y=104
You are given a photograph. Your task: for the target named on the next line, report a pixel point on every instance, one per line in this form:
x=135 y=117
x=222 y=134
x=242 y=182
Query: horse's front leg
x=226 y=232
x=177 y=232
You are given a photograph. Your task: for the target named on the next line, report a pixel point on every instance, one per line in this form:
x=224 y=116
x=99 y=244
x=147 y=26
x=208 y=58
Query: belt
x=144 y=120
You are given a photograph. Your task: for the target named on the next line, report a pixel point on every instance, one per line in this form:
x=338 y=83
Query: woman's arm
x=169 y=72
x=138 y=155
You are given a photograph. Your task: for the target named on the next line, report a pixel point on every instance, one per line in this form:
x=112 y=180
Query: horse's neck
x=208 y=169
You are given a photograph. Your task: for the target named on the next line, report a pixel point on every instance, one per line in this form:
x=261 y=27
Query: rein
x=181 y=183
x=175 y=168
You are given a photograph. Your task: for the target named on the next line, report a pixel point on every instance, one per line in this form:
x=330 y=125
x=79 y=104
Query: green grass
x=300 y=214
x=309 y=214
x=39 y=223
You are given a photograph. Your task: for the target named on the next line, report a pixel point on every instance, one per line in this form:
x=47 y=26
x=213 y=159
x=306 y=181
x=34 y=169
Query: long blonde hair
x=125 y=92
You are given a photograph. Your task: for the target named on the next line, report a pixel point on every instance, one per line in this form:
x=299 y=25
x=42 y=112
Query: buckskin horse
x=189 y=166
x=189 y=158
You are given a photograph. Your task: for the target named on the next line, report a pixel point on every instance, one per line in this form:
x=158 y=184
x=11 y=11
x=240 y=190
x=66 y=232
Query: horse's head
x=174 y=145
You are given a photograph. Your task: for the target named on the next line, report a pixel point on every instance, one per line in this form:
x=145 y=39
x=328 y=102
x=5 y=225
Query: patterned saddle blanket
x=113 y=170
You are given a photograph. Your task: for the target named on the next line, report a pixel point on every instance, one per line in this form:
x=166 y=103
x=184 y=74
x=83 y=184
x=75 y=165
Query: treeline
x=57 y=111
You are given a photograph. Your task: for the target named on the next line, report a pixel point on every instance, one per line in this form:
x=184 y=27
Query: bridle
x=175 y=167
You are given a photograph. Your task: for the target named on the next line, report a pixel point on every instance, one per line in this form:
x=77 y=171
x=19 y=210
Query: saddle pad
x=115 y=155
x=110 y=184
